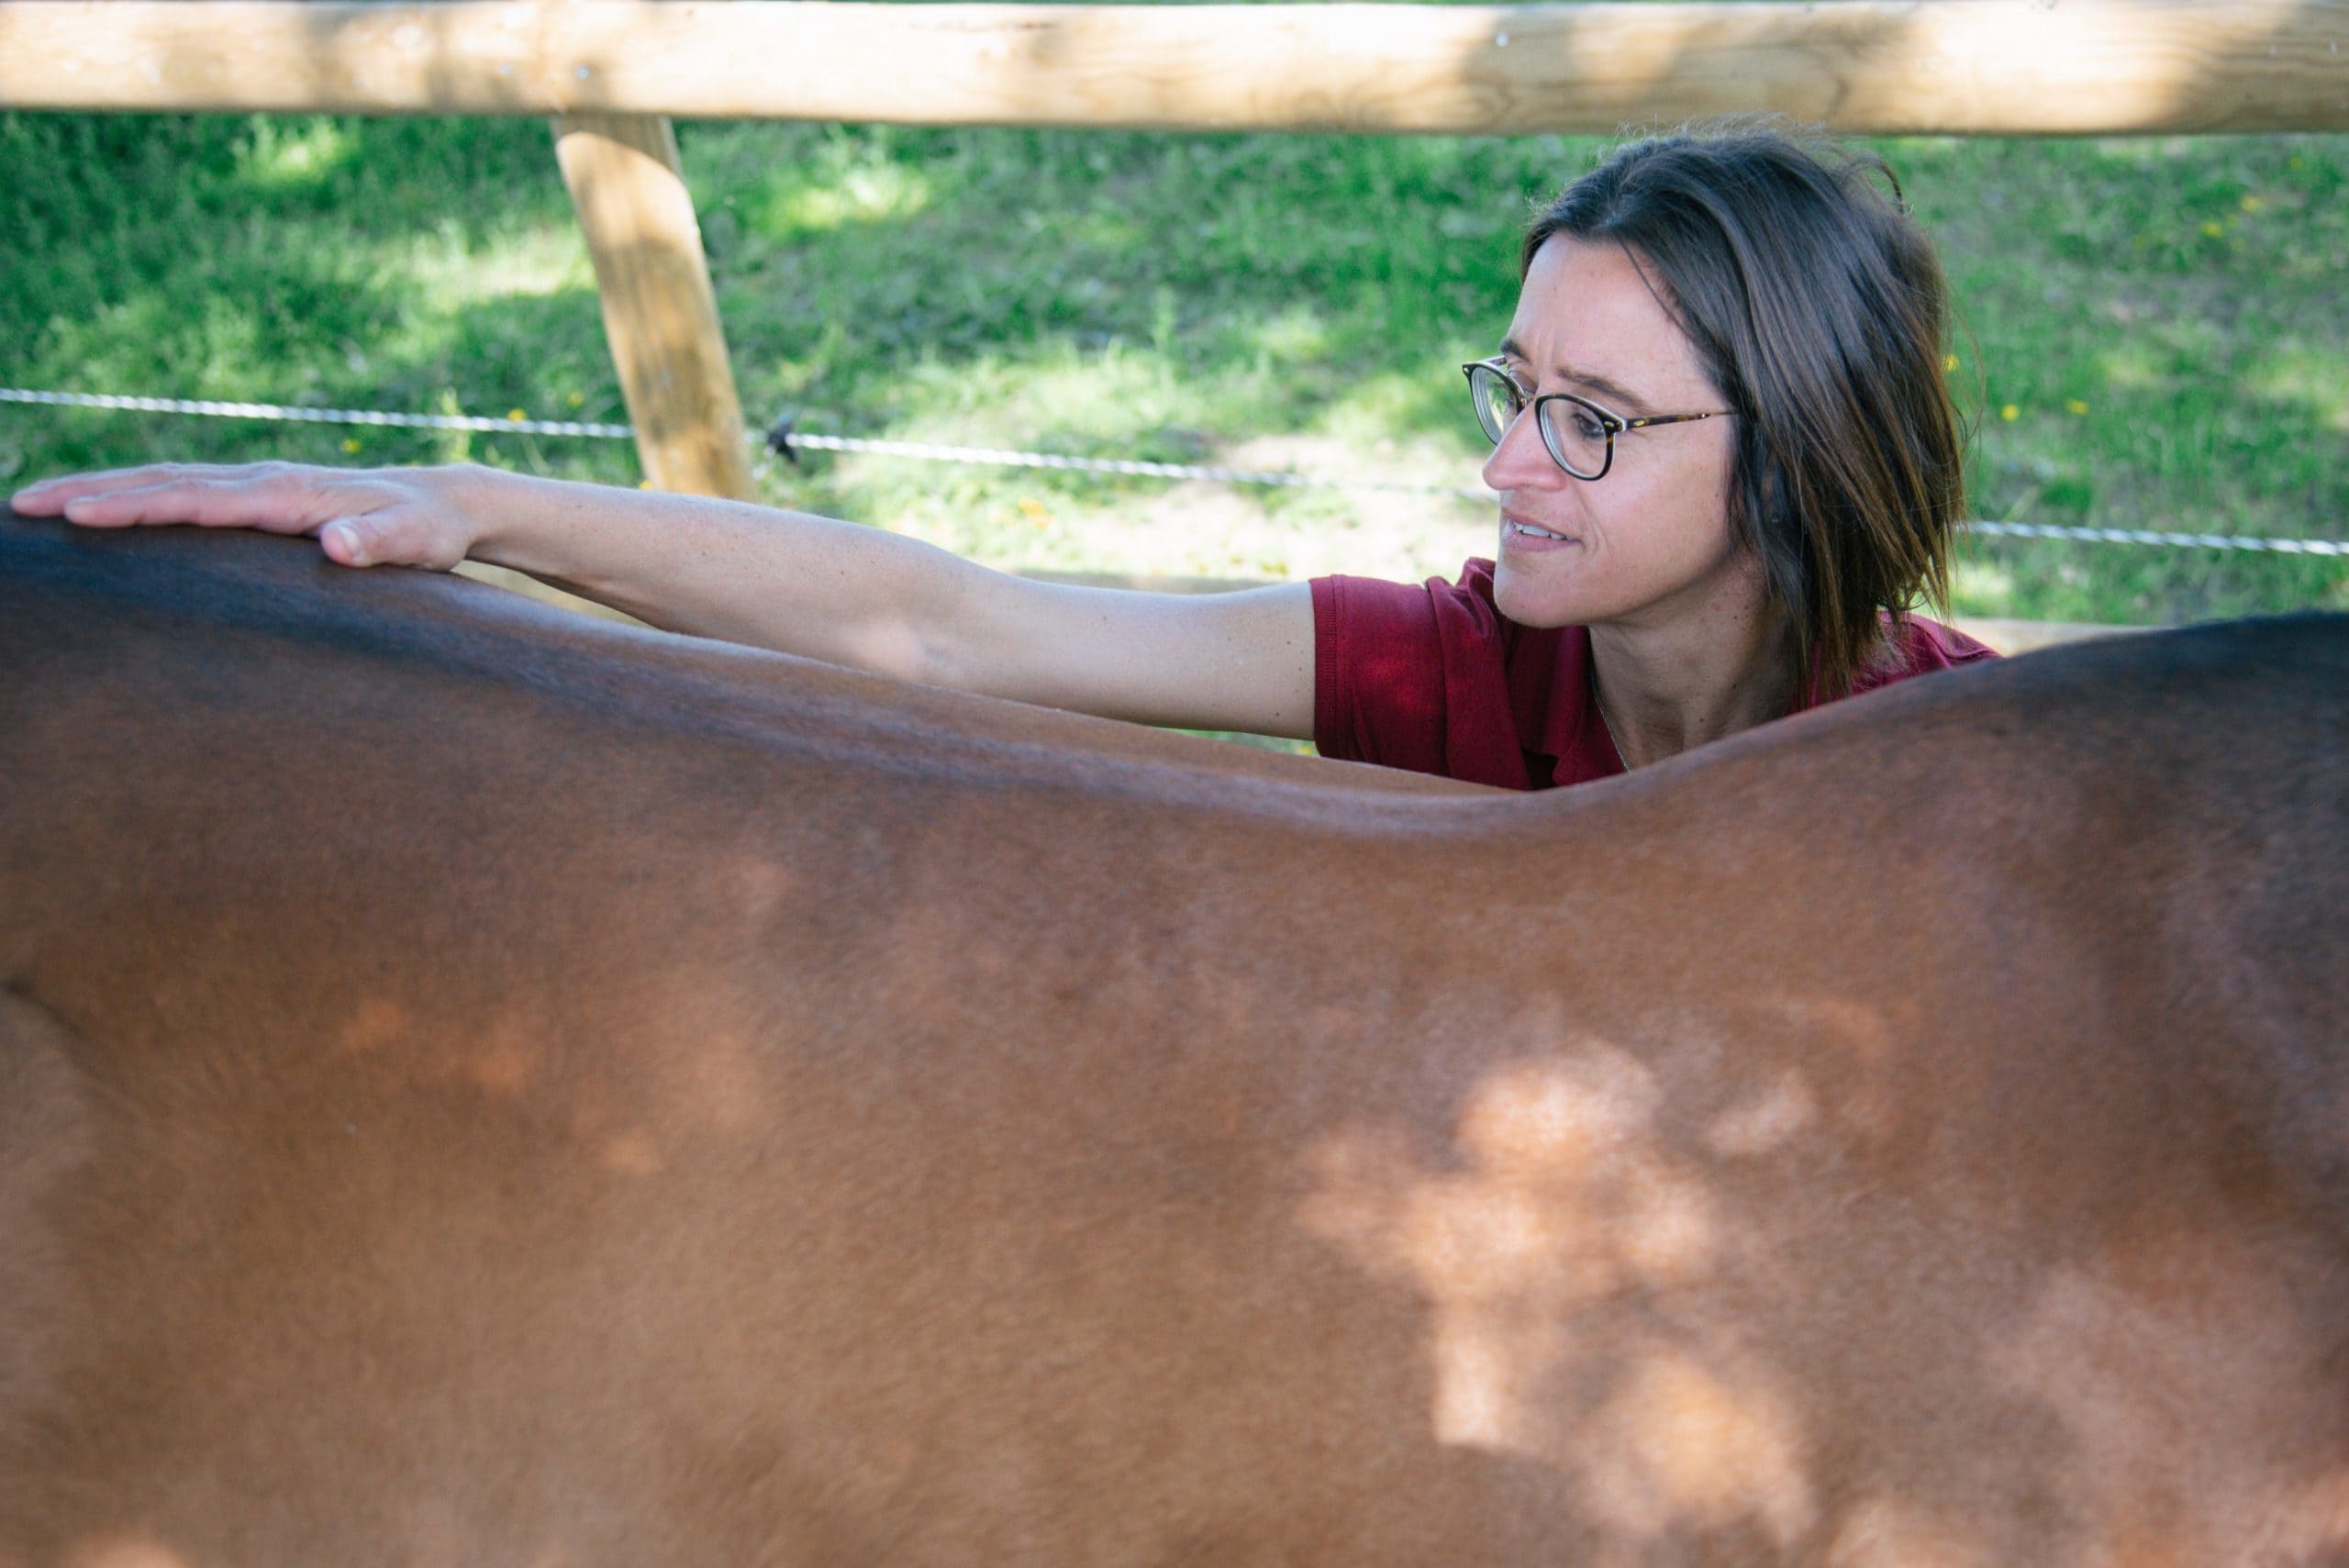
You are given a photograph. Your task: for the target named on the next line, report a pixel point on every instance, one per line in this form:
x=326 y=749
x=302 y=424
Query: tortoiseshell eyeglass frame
x=1609 y=422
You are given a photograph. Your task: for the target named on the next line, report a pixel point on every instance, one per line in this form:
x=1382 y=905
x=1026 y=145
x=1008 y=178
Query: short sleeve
x=1417 y=677
x=1377 y=674
x=1933 y=646
x=1920 y=646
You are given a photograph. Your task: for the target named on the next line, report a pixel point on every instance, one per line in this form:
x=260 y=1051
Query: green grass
x=2157 y=337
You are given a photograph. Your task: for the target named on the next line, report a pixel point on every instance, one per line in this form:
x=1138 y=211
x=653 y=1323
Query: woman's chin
x=1530 y=595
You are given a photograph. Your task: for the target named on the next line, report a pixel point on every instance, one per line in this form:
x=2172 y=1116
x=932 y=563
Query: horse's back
x=473 y=1089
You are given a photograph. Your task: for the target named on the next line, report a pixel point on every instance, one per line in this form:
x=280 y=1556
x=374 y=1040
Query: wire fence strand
x=1002 y=458
x=788 y=441
x=316 y=416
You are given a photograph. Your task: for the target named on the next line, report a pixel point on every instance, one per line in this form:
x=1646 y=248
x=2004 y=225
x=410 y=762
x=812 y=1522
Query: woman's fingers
x=273 y=505
x=273 y=496
x=363 y=517
x=48 y=497
x=45 y=496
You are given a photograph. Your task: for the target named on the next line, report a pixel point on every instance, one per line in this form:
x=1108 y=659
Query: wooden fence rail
x=609 y=71
x=1964 y=66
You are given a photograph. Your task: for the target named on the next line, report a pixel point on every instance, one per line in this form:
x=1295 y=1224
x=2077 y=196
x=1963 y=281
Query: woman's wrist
x=493 y=506
x=547 y=528
x=616 y=545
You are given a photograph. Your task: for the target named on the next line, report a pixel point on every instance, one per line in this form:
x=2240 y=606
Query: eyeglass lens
x=1571 y=427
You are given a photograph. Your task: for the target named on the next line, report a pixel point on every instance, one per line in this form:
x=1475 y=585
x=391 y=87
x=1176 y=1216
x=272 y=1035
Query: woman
x=1726 y=459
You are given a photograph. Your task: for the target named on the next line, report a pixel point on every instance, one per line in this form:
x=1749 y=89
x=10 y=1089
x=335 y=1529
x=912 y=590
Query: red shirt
x=1434 y=679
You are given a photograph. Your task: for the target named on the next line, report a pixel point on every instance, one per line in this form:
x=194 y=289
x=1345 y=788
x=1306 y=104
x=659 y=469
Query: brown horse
x=479 y=1087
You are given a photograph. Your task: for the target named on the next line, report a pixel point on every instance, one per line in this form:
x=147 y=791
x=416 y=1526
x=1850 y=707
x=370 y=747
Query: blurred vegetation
x=2152 y=328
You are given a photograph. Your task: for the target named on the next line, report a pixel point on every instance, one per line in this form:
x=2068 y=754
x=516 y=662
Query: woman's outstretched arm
x=788 y=581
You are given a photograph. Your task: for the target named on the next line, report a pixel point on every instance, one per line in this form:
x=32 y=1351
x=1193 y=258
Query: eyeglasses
x=1579 y=434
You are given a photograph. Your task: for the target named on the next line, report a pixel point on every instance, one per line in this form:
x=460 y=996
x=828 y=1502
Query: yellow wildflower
x=350 y=443
x=2075 y=405
x=1949 y=361
x=516 y=415
x=2010 y=413
x=2254 y=202
x=577 y=399
x=2212 y=227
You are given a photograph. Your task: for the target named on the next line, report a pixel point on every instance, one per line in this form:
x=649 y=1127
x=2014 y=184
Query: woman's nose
x=1520 y=460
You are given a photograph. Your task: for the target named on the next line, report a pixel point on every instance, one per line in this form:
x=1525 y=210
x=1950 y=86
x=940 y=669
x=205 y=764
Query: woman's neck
x=1666 y=686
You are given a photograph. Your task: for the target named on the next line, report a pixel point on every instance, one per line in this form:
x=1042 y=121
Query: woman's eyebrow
x=1625 y=400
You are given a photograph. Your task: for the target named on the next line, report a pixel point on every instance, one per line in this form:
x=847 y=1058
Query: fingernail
x=346 y=536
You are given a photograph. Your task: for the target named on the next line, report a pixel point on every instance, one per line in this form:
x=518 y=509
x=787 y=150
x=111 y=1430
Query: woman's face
x=1649 y=542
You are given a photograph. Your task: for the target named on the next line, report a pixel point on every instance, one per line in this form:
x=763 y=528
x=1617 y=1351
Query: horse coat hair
x=482 y=1087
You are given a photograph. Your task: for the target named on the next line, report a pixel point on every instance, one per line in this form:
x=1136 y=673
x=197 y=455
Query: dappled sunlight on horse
x=564 y=1094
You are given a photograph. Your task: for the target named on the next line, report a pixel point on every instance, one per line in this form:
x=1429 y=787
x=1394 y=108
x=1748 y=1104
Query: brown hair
x=1817 y=308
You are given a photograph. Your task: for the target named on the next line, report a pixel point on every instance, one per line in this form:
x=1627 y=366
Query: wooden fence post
x=629 y=188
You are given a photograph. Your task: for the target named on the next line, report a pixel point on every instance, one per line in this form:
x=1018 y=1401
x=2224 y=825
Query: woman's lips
x=1519 y=535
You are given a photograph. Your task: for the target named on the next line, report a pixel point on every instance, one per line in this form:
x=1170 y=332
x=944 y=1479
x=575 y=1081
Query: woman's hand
x=822 y=589
x=363 y=517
